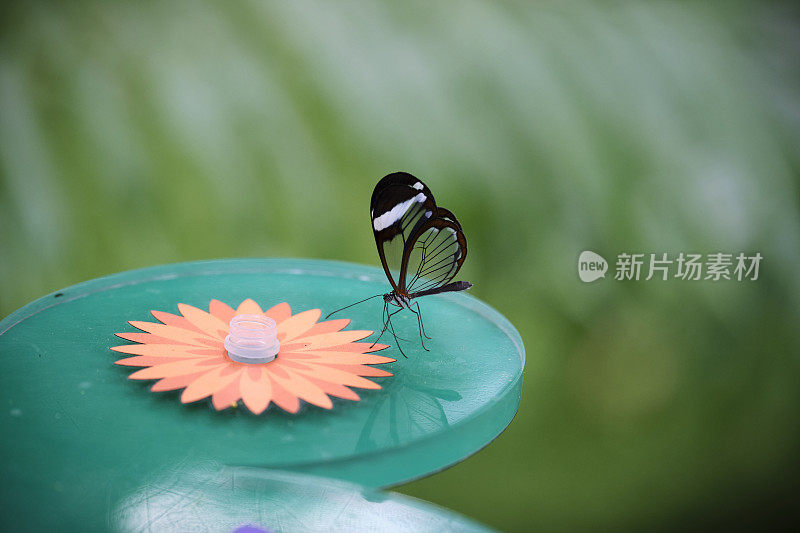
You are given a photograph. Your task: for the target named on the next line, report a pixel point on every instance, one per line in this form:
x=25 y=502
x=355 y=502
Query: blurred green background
x=141 y=134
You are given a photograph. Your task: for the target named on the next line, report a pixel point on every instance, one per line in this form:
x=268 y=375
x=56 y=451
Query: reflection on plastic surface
x=408 y=410
x=251 y=500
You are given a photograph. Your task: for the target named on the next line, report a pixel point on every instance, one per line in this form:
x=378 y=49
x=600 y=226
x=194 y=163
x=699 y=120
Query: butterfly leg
x=421 y=324
x=391 y=326
x=420 y=328
x=394 y=334
x=387 y=323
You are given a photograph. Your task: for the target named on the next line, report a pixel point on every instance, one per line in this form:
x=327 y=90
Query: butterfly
x=421 y=246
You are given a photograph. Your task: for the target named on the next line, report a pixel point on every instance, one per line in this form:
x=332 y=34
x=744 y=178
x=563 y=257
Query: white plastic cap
x=252 y=339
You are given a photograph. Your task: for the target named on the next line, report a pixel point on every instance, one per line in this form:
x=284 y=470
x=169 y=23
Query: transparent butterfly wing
x=435 y=253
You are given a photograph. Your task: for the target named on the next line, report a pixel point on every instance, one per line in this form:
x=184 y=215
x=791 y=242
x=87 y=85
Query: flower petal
x=210 y=382
x=284 y=399
x=333 y=389
x=341 y=358
x=145 y=360
x=227 y=396
x=205 y=322
x=222 y=311
x=299 y=386
x=332 y=375
x=338 y=338
x=168 y=350
x=177 y=368
x=181 y=335
x=176 y=382
x=360 y=347
x=297 y=325
x=249 y=307
x=256 y=388
x=328 y=326
x=175 y=321
x=362 y=370
x=279 y=312
x=146 y=338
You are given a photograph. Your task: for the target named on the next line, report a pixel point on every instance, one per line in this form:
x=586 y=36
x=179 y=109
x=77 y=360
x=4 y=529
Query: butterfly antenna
x=351 y=305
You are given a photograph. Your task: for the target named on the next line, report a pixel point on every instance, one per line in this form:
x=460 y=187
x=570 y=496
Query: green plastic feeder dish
x=81 y=436
x=248 y=500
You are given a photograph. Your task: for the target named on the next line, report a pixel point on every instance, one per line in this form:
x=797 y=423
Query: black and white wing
x=421 y=246
x=400 y=205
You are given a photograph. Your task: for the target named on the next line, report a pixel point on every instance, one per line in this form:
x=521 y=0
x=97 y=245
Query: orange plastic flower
x=316 y=359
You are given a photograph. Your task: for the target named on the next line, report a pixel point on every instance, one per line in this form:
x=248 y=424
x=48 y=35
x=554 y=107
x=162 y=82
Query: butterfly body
x=397 y=300
x=404 y=300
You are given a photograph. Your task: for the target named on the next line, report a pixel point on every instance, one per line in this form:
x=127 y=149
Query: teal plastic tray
x=80 y=435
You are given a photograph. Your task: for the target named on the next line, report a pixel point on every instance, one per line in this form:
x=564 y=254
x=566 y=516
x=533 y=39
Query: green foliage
x=133 y=135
